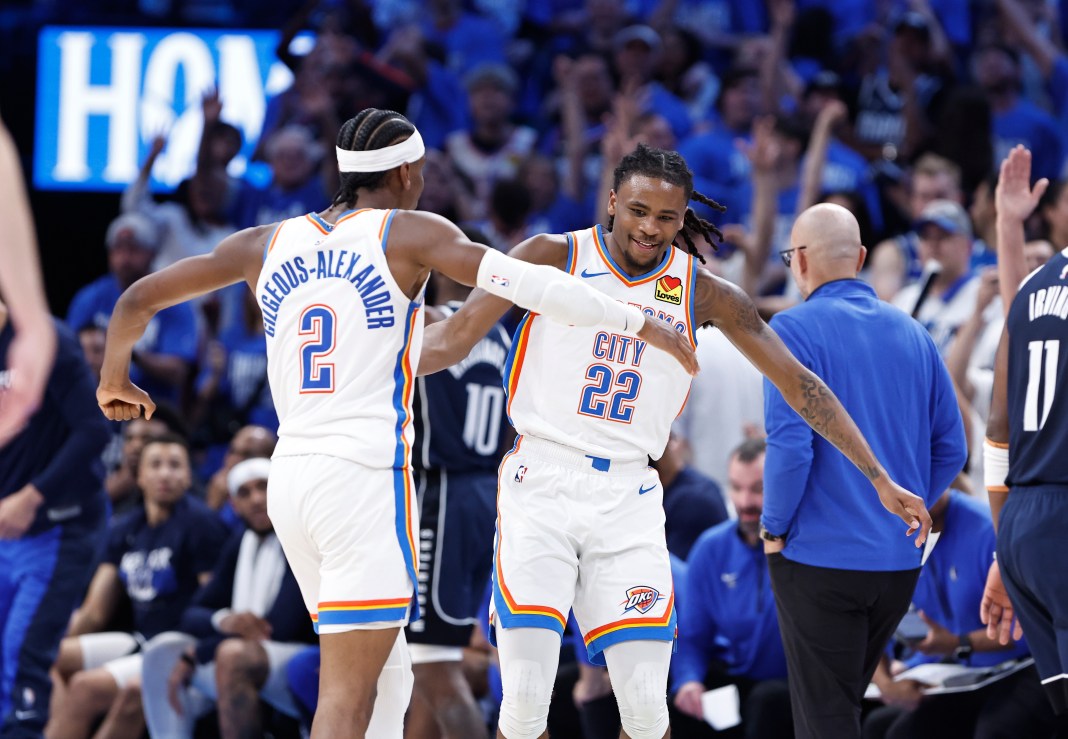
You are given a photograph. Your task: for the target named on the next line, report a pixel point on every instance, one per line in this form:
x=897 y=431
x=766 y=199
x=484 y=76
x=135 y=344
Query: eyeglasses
x=787 y=255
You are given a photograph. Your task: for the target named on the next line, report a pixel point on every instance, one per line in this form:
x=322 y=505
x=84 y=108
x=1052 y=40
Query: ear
x=404 y=171
x=860 y=259
x=611 y=202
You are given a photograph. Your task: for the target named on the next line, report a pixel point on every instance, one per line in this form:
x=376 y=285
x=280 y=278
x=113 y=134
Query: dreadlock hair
x=370 y=129
x=669 y=166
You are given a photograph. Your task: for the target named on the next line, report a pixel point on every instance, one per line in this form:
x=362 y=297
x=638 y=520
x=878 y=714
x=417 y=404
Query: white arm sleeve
x=555 y=294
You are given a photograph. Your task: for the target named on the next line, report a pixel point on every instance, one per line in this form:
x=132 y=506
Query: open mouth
x=644 y=245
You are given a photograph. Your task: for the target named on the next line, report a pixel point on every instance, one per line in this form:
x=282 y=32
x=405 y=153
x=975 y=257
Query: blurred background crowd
x=899 y=110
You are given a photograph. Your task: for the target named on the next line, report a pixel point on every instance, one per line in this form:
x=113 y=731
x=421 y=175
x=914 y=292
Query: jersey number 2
x=320 y=324
x=1036 y=349
x=618 y=408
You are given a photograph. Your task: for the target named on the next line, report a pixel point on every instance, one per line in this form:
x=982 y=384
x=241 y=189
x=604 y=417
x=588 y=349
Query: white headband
x=256 y=468
x=381 y=160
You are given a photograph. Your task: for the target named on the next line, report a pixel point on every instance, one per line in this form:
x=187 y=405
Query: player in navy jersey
x=52 y=513
x=1026 y=454
x=461 y=432
x=1028 y=433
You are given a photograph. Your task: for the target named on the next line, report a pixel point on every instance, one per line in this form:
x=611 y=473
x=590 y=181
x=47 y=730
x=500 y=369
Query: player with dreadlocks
x=580 y=520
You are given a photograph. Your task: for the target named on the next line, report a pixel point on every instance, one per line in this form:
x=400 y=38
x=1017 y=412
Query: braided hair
x=370 y=129
x=669 y=166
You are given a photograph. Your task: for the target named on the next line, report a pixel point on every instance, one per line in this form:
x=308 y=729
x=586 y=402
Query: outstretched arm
x=419 y=242
x=1014 y=200
x=733 y=312
x=236 y=258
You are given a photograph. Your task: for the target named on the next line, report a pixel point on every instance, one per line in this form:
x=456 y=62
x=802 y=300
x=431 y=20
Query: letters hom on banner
x=103 y=94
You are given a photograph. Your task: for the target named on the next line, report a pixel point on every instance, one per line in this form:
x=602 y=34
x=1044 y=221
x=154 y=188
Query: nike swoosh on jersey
x=593 y=274
x=643 y=490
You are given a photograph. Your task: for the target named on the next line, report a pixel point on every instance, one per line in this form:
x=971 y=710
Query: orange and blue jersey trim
x=316 y=220
x=404 y=382
x=513 y=365
x=383 y=231
x=345 y=612
x=508 y=612
x=662 y=628
x=349 y=214
x=606 y=257
x=572 y=252
x=691 y=302
x=272 y=240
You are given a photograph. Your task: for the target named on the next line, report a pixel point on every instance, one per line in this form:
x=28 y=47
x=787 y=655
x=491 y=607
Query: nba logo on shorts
x=641 y=599
x=28 y=698
x=520 y=473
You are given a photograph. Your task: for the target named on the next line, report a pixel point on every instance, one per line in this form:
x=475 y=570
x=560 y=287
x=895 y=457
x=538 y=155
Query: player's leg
x=534 y=579
x=456 y=518
x=48 y=575
x=639 y=672
x=125 y=718
x=625 y=601
x=529 y=658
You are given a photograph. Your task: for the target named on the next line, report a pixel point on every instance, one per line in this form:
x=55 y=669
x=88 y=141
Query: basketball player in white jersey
x=580 y=517
x=341 y=297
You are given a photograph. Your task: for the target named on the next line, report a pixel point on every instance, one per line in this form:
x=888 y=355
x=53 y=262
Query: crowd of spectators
x=900 y=111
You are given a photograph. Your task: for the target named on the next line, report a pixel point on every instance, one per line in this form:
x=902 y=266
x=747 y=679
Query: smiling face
x=648 y=214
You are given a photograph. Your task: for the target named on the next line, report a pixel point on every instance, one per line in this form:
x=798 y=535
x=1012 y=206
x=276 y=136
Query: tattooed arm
x=730 y=309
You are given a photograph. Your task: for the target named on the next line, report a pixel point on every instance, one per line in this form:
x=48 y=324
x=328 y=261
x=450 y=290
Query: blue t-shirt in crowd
x=245 y=376
x=693 y=503
x=562 y=215
x=439 y=107
x=729 y=612
x=1033 y=127
x=159 y=565
x=951 y=584
x=256 y=206
x=471 y=41
x=172 y=331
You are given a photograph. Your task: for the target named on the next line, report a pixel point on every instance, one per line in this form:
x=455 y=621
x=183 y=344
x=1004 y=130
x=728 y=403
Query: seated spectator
x=492 y=146
x=239 y=633
x=693 y=502
x=945 y=299
x=728 y=629
x=1053 y=212
x=163 y=357
x=91 y=339
x=155 y=559
x=249 y=442
x=947 y=596
x=121 y=483
x=553 y=211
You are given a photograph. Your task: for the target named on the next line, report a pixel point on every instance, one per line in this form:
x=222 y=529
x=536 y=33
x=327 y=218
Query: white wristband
x=995 y=466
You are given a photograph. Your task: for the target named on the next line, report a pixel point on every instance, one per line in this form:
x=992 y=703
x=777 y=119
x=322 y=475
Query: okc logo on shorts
x=641 y=598
x=520 y=473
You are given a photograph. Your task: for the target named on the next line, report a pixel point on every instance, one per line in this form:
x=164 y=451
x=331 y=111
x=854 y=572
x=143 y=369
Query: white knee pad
x=394 y=692
x=639 y=672
x=525 y=708
x=529 y=659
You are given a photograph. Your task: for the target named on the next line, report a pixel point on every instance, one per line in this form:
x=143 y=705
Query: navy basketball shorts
x=457 y=512
x=1031 y=554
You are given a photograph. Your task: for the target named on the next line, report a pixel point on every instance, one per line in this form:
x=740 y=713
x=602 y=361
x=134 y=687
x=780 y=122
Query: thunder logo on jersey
x=343 y=265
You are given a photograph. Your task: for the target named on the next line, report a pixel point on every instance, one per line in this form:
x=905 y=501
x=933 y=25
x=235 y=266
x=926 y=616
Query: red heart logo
x=670 y=283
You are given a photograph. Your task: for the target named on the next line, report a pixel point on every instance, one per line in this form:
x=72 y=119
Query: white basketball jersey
x=343 y=340
x=608 y=394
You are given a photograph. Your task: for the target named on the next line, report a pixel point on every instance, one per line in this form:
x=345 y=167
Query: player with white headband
x=341 y=294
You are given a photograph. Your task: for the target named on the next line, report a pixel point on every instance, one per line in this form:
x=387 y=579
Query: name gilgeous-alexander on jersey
x=608 y=394
x=343 y=340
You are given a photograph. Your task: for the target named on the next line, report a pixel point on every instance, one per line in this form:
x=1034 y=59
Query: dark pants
x=1031 y=559
x=42 y=579
x=835 y=625
x=1010 y=708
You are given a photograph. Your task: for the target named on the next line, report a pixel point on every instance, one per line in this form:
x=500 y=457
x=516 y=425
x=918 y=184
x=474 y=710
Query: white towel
x=261 y=565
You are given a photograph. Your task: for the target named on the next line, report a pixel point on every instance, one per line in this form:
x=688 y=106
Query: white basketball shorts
x=347 y=531
x=583 y=532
